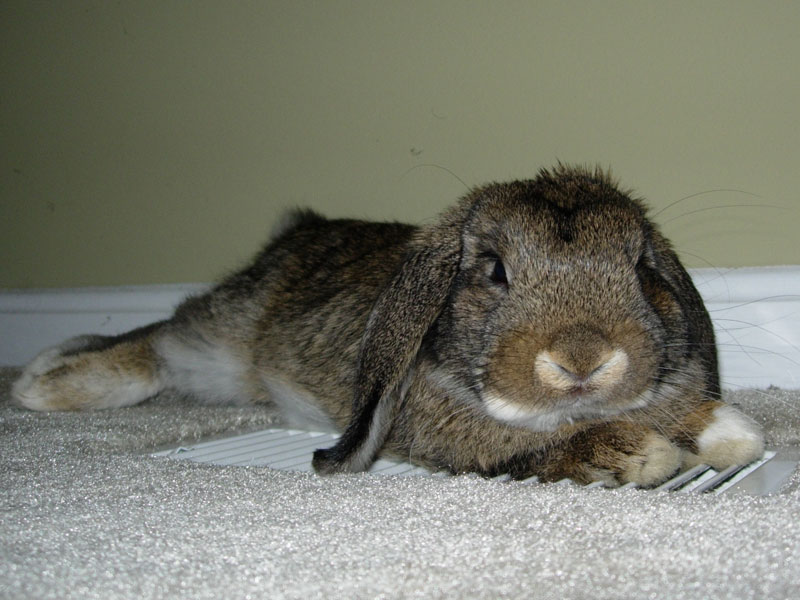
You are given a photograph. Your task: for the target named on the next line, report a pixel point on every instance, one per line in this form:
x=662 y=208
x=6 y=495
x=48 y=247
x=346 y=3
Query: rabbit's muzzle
x=576 y=374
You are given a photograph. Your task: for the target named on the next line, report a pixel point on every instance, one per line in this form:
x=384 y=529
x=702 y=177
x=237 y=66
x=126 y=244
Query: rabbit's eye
x=499 y=273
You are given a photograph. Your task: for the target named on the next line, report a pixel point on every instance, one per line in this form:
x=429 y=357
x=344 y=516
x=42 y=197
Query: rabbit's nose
x=576 y=374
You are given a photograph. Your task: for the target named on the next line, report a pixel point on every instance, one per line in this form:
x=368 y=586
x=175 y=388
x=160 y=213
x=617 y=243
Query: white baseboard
x=756 y=313
x=31 y=320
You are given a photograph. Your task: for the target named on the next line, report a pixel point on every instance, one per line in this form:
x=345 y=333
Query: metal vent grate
x=291 y=450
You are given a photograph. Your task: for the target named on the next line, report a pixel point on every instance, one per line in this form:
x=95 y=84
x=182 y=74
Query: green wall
x=149 y=142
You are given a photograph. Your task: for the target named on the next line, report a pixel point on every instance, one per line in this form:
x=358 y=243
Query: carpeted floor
x=86 y=513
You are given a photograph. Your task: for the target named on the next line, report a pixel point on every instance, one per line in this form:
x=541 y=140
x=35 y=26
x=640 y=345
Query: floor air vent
x=291 y=450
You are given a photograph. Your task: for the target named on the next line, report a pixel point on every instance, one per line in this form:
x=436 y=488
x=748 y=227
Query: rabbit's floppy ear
x=701 y=331
x=399 y=320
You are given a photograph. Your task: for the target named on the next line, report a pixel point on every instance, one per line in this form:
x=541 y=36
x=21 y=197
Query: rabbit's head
x=543 y=302
x=565 y=305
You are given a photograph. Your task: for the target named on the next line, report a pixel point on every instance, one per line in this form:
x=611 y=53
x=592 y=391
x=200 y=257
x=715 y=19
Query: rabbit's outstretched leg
x=191 y=356
x=92 y=371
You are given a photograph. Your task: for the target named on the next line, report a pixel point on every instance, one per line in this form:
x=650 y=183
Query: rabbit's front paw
x=656 y=460
x=615 y=453
x=728 y=438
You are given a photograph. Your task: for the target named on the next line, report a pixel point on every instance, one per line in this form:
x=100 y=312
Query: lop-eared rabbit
x=541 y=327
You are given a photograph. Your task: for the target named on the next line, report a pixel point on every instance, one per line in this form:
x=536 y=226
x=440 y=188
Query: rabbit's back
x=291 y=322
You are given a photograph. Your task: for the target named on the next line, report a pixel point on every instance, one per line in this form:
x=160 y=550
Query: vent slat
x=683 y=478
x=292 y=450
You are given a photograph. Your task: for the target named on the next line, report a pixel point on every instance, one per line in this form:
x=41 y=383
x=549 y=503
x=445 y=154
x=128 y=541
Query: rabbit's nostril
x=578 y=378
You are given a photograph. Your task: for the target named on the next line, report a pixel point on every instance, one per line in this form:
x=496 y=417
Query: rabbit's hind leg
x=92 y=371
x=202 y=360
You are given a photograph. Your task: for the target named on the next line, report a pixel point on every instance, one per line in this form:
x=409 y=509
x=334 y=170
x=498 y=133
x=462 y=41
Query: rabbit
x=539 y=327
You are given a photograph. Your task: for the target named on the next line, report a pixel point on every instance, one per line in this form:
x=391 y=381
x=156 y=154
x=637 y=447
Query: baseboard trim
x=756 y=314
x=31 y=320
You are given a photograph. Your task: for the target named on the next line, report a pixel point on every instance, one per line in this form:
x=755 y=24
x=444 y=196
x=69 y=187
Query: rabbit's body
x=541 y=327
x=286 y=331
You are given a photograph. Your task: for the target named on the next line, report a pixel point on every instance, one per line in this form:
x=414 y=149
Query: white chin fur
x=515 y=414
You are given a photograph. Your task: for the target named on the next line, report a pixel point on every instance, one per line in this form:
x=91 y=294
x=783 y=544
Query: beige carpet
x=86 y=513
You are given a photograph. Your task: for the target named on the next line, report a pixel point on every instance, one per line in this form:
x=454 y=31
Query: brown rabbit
x=540 y=327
